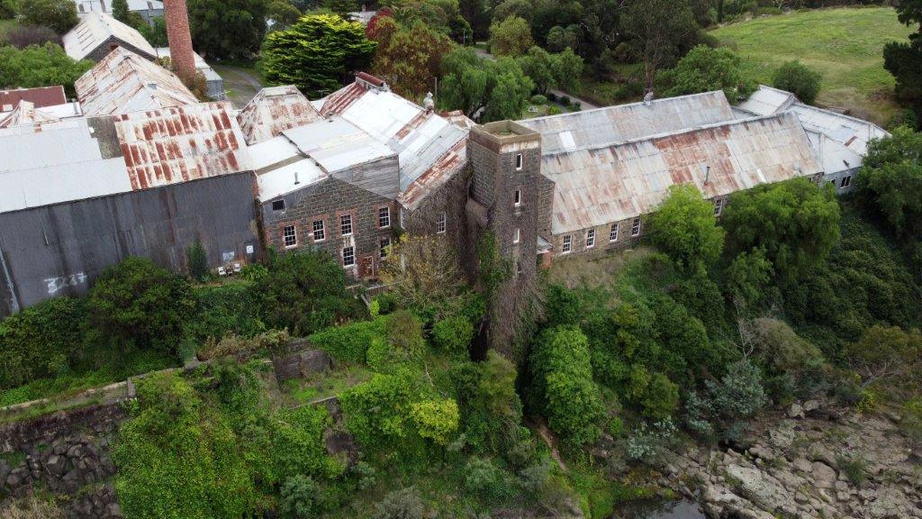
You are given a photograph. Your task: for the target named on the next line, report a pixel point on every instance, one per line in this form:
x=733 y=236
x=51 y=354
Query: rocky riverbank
x=811 y=462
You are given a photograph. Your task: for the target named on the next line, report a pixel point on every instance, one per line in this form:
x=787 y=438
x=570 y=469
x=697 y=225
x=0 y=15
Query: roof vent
x=296 y=178
x=152 y=85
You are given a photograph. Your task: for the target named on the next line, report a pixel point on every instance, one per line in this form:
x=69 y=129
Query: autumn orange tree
x=408 y=57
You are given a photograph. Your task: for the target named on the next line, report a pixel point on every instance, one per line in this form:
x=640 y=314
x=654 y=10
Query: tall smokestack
x=179 y=37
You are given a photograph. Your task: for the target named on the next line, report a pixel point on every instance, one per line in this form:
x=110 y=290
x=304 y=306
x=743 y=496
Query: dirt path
x=240 y=83
x=549 y=440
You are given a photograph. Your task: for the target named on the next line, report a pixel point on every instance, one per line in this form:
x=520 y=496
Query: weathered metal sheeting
x=834 y=156
x=336 y=144
x=614 y=124
x=95 y=29
x=289 y=178
x=25 y=113
x=339 y=101
x=59 y=249
x=601 y=185
x=853 y=133
x=180 y=143
x=272 y=153
x=56 y=162
x=273 y=111
x=124 y=82
x=768 y=101
x=450 y=163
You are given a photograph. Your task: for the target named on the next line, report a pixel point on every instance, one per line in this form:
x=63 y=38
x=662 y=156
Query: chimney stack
x=180 y=39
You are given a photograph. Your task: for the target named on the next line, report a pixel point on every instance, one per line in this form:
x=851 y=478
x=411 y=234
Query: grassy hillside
x=845 y=45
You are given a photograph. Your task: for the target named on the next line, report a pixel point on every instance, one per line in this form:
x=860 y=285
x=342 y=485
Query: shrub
x=798 y=79
x=405 y=335
x=299 y=496
x=487 y=481
x=565 y=100
x=350 y=343
x=40 y=341
x=60 y=15
x=854 y=466
x=729 y=403
x=198 y=261
x=453 y=336
x=538 y=99
x=138 y=304
x=648 y=444
x=22 y=36
x=225 y=309
x=400 y=504
x=436 y=420
x=236 y=345
x=36 y=66
x=377 y=412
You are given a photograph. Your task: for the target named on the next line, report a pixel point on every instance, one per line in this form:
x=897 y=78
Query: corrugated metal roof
x=596 y=186
x=437 y=175
x=40 y=97
x=768 y=101
x=850 y=132
x=105 y=6
x=124 y=82
x=181 y=143
x=25 y=113
x=273 y=111
x=268 y=154
x=336 y=144
x=289 y=178
x=95 y=29
x=613 y=124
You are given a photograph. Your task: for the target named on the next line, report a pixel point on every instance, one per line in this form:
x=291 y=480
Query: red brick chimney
x=177 y=32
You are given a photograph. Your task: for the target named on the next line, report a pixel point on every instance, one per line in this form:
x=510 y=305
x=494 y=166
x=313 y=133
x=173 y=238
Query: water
x=659 y=509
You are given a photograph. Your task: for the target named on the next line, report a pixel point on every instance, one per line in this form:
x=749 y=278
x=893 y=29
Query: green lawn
x=844 y=45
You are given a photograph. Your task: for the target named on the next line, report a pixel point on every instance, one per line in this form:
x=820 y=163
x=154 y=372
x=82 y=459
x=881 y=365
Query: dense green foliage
x=36 y=66
x=510 y=37
x=797 y=78
x=409 y=59
x=705 y=69
x=685 y=228
x=227 y=29
x=471 y=84
x=350 y=343
x=891 y=180
x=904 y=59
x=304 y=292
x=41 y=341
x=60 y=15
x=317 y=54
x=547 y=70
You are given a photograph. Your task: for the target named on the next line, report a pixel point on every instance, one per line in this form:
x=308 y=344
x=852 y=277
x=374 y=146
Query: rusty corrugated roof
x=436 y=176
x=180 y=143
x=596 y=186
x=273 y=111
x=124 y=82
x=613 y=124
x=25 y=113
x=337 y=102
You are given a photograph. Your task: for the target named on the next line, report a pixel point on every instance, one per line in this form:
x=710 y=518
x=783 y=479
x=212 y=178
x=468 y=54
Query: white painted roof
x=85 y=7
x=266 y=154
x=768 y=101
x=95 y=29
x=281 y=181
x=336 y=144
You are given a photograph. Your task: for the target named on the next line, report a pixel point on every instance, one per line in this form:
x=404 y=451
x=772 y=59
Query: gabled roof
x=613 y=124
x=273 y=111
x=81 y=158
x=40 y=97
x=124 y=82
x=91 y=6
x=596 y=186
x=95 y=29
x=25 y=113
x=768 y=101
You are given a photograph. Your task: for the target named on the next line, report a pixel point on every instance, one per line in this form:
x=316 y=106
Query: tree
x=560 y=38
x=316 y=54
x=510 y=92
x=436 y=420
x=497 y=385
x=227 y=29
x=400 y=504
x=796 y=222
x=510 y=37
x=797 y=78
x=891 y=180
x=662 y=30
x=705 y=69
x=685 y=228
x=747 y=276
x=340 y=7
x=155 y=34
x=904 y=59
x=121 y=13
x=305 y=292
x=409 y=59
x=568 y=69
x=60 y=15
x=886 y=354
x=551 y=70
x=138 y=304
x=496 y=89
x=282 y=14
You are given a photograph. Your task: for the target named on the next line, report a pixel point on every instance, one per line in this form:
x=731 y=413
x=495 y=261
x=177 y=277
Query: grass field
x=844 y=45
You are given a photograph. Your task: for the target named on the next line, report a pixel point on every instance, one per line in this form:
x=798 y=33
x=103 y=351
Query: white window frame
x=516 y=235
x=635 y=227
x=352 y=249
x=293 y=235
x=384 y=214
x=517 y=200
x=384 y=243
x=718 y=206
x=322 y=230
x=519 y=162
x=613 y=233
x=346 y=220
x=566 y=246
x=441 y=223
x=590 y=238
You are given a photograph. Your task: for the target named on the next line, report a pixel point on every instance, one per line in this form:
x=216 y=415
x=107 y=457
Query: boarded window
x=718 y=206
x=846 y=181
x=518 y=198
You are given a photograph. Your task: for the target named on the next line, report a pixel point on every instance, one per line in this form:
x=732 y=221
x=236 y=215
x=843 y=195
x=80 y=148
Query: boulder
x=824 y=476
x=763 y=490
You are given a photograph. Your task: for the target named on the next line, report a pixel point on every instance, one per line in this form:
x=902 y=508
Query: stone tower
x=180 y=38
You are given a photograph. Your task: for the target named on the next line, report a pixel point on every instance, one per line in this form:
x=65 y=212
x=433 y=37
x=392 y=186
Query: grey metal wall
x=60 y=249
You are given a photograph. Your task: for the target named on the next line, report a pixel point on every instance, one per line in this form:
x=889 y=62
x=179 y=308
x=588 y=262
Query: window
x=441 y=223
x=348 y=256
x=290 y=236
x=567 y=244
x=518 y=198
x=613 y=234
x=385 y=243
x=590 y=238
x=345 y=224
x=718 y=206
x=635 y=227
x=319 y=234
x=384 y=217
x=278 y=205
x=846 y=181
x=515 y=236
x=518 y=161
